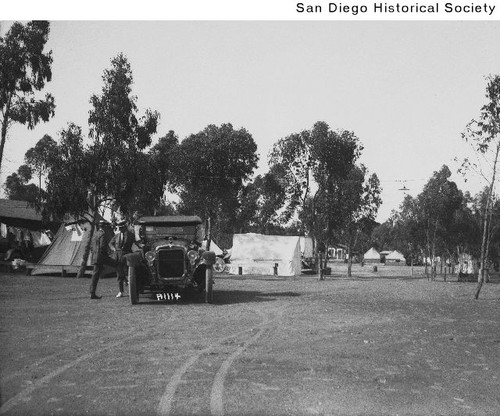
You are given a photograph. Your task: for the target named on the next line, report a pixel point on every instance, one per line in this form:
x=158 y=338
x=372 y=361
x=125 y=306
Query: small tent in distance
x=395 y=257
x=265 y=255
x=372 y=256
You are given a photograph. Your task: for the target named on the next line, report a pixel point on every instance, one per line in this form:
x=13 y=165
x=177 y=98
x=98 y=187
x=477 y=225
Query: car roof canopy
x=170 y=220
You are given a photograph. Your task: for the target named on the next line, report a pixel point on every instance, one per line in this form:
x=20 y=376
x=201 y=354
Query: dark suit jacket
x=122 y=245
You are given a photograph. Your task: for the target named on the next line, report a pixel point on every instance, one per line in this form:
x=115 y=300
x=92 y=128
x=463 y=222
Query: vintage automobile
x=171 y=262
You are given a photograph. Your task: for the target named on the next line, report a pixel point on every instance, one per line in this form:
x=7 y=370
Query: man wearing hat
x=120 y=245
x=100 y=258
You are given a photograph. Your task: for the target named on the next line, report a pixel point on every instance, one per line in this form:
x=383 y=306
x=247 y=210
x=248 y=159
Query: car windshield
x=153 y=232
x=186 y=231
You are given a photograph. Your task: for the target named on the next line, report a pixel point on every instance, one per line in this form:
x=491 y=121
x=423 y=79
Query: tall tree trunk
x=434 y=264
x=484 y=246
x=40 y=188
x=349 y=261
x=4 y=135
x=325 y=262
x=320 y=266
x=488 y=241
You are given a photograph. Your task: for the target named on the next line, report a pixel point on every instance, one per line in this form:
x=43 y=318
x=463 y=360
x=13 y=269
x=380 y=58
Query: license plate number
x=168 y=296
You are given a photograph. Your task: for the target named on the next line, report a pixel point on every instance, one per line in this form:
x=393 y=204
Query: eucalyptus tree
x=346 y=210
x=106 y=169
x=437 y=205
x=118 y=136
x=39 y=158
x=210 y=169
x=326 y=187
x=152 y=179
x=261 y=203
x=291 y=155
x=24 y=69
x=484 y=136
x=17 y=186
x=407 y=234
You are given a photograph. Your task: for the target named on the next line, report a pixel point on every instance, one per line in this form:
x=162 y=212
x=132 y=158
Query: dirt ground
x=367 y=345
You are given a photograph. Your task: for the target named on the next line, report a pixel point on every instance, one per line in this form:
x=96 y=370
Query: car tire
x=132 y=286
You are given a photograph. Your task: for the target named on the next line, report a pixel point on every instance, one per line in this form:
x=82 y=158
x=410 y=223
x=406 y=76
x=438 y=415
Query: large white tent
x=259 y=254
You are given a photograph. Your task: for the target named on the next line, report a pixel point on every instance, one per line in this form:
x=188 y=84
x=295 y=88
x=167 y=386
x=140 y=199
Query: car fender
x=133 y=259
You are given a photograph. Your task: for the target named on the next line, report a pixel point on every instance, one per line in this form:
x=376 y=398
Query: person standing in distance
x=100 y=256
x=121 y=244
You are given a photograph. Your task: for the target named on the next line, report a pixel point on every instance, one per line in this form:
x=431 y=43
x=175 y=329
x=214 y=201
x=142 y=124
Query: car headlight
x=150 y=256
x=192 y=255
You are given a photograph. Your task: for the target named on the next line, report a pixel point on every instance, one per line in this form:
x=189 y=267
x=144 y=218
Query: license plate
x=168 y=296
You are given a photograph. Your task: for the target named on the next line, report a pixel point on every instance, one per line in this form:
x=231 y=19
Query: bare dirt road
x=266 y=346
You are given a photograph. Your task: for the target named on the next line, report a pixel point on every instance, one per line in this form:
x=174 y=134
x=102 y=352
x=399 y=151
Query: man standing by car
x=121 y=244
x=100 y=256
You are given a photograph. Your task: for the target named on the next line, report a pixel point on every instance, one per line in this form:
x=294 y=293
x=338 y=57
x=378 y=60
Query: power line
x=403 y=180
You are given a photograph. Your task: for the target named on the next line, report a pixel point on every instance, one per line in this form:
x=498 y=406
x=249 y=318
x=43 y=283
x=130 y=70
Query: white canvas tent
x=258 y=254
x=395 y=257
x=372 y=256
x=306 y=246
x=65 y=254
x=213 y=247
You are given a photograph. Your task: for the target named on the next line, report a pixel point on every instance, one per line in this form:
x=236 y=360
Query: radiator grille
x=171 y=263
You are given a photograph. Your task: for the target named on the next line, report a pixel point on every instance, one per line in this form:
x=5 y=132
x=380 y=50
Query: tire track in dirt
x=216 y=402
x=216 y=397
x=24 y=394
x=7 y=378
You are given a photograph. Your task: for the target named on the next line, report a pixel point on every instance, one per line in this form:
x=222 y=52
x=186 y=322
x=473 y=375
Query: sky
x=407 y=89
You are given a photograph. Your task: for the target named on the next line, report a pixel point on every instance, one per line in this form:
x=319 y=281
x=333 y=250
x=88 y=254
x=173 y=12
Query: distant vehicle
x=221 y=261
x=171 y=262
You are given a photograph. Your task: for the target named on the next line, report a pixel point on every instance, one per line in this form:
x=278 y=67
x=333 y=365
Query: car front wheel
x=133 y=288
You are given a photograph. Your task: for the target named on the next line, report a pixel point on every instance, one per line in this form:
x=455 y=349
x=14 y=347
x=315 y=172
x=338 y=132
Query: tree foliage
x=17 y=186
x=153 y=179
x=210 y=170
x=422 y=228
x=437 y=205
x=484 y=135
x=24 y=70
x=107 y=170
x=118 y=136
x=325 y=186
x=40 y=156
x=261 y=202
